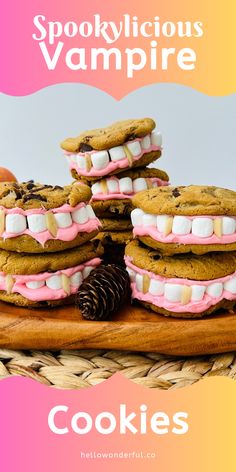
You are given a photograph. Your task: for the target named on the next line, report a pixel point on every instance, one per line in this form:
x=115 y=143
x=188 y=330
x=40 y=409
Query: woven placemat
x=80 y=369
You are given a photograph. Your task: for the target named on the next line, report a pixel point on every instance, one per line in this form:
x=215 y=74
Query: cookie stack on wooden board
x=113 y=162
x=45 y=247
x=183 y=260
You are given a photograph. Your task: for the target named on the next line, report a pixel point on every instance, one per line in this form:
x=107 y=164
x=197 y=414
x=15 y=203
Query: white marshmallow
x=126 y=185
x=100 y=159
x=80 y=216
x=215 y=290
x=228 y=225
x=87 y=271
x=35 y=284
x=197 y=292
x=161 y=222
x=113 y=186
x=90 y=212
x=202 y=227
x=139 y=282
x=37 y=223
x=73 y=158
x=156 y=287
x=146 y=142
x=96 y=188
x=173 y=292
x=136 y=217
x=156 y=138
x=117 y=153
x=2 y=279
x=135 y=148
x=139 y=185
x=54 y=282
x=181 y=225
x=131 y=273
x=81 y=162
x=230 y=286
x=149 y=220
x=76 y=279
x=15 y=223
x=63 y=220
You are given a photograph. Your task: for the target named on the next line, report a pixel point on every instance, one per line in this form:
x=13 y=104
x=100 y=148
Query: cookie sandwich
x=37 y=218
x=111 y=196
x=116 y=148
x=184 y=285
x=197 y=219
x=36 y=280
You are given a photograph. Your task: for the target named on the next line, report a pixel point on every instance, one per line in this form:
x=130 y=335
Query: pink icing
x=45 y=293
x=191 y=307
x=112 y=166
x=183 y=239
x=120 y=195
x=63 y=234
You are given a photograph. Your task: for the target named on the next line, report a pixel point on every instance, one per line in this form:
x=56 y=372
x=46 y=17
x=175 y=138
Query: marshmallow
x=73 y=158
x=76 y=279
x=156 y=138
x=228 y=225
x=80 y=216
x=136 y=217
x=139 y=282
x=126 y=185
x=230 y=286
x=156 y=287
x=117 y=153
x=81 y=162
x=181 y=225
x=35 y=284
x=149 y=220
x=96 y=188
x=54 y=282
x=87 y=271
x=139 y=184
x=37 y=223
x=15 y=223
x=90 y=212
x=2 y=279
x=197 y=292
x=215 y=290
x=134 y=147
x=173 y=292
x=112 y=185
x=100 y=159
x=202 y=227
x=161 y=222
x=63 y=220
x=146 y=142
x=131 y=273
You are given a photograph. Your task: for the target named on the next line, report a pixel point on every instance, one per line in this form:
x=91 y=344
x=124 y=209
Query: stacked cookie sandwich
x=113 y=162
x=183 y=260
x=45 y=247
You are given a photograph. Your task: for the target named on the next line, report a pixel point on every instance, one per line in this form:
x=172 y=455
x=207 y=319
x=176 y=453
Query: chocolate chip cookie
x=46 y=279
x=196 y=219
x=38 y=218
x=184 y=285
x=121 y=146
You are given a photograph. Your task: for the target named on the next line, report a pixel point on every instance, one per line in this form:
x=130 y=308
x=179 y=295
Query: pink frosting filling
x=63 y=234
x=177 y=307
x=45 y=293
x=112 y=166
x=183 y=239
x=120 y=195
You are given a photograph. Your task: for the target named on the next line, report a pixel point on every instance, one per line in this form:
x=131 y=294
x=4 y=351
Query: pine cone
x=103 y=292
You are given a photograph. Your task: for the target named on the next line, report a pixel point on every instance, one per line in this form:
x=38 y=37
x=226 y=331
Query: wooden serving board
x=134 y=329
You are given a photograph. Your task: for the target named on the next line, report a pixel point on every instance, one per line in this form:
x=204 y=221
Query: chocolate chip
x=130 y=137
x=30 y=186
x=85 y=147
x=32 y=196
x=176 y=192
x=58 y=187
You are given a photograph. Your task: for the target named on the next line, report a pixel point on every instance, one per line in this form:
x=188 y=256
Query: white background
x=199 y=132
